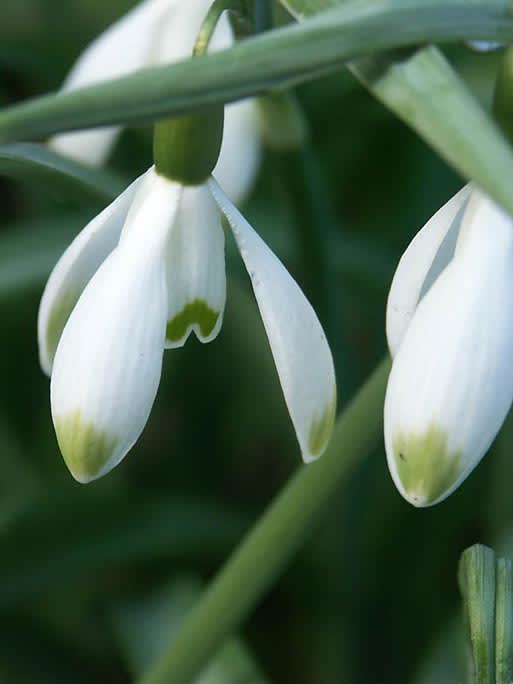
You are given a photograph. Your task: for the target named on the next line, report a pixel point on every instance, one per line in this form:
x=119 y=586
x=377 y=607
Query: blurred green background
x=87 y=571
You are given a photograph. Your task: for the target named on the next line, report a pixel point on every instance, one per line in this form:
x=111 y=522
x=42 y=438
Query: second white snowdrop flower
x=450 y=331
x=142 y=276
x=161 y=32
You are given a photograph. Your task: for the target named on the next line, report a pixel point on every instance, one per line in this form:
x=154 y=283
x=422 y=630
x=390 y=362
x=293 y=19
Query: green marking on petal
x=425 y=465
x=86 y=450
x=58 y=317
x=321 y=428
x=196 y=312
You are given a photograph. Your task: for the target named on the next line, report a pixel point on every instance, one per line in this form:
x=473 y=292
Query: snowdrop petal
x=240 y=154
x=298 y=344
x=123 y=48
x=196 y=276
x=74 y=270
x=451 y=384
x=425 y=258
x=108 y=363
x=91 y=147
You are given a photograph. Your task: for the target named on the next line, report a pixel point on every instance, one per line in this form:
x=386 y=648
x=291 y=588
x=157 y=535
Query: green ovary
x=321 y=428
x=58 y=318
x=196 y=312
x=85 y=448
x=426 y=467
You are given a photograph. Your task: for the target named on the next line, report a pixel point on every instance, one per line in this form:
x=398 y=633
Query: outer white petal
x=74 y=270
x=451 y=384
x=91 y=147
x=196 y=274
x=108 y=362
x=298 y=344
x=241 y=150
x=427 y=255
x=124 y=47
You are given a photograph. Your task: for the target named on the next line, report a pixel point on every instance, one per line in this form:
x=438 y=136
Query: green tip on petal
x=426 y=468
x=86 y=450
x=197 y=313
x=321 y=429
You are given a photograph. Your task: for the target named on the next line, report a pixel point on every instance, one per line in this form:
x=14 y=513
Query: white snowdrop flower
x=143 y=275
x=450 y=331
x=160 y=32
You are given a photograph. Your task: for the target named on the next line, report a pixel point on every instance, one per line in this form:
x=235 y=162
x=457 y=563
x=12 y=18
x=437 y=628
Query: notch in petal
x=196 y=276
x=298 y=344
x=451 y=384
x=108 y=362
x=74 y=270
x=427 y=255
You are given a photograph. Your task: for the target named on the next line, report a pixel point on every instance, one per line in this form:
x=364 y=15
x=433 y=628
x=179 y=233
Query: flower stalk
x=235 y=7
x=265 y=551
x=186 y=149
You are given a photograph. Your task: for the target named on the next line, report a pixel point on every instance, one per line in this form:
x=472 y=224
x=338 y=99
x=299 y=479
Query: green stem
x=210 y=22
x=265 y=551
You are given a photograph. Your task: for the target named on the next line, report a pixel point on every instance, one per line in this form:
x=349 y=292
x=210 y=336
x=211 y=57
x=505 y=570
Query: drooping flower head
x=142 y=276
x=450 y=332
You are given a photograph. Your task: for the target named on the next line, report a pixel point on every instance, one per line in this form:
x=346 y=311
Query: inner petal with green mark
x=196 y=314
x=86 y=449
x=426 y=467
x=321 y=428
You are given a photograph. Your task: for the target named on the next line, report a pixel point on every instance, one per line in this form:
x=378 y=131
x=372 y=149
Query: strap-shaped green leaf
x=278 y=58
x=62 y=177
x=421 y=87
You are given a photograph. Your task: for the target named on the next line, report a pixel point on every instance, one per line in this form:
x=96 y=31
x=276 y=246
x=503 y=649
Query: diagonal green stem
x=265 y=551
x=210 y=22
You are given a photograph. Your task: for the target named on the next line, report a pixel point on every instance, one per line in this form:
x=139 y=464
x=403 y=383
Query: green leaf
x=64 y=178
x=476 y=576
x=278 y=58
x=504 y=622
x=422 y=88
x=46 y=549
